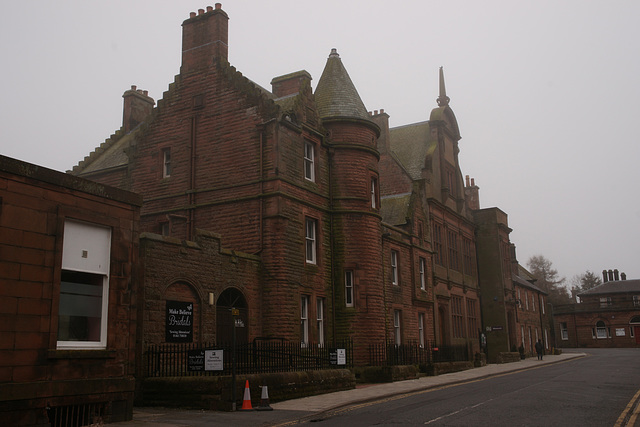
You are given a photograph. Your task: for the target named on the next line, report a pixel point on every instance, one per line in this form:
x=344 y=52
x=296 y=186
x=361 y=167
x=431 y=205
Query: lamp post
x=234 y=314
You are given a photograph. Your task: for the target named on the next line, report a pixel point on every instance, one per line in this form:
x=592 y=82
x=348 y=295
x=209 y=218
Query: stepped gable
x=336 y=96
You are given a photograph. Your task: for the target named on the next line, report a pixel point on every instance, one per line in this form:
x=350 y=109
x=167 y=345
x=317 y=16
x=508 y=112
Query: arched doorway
x=231 y=298
x=634 y=324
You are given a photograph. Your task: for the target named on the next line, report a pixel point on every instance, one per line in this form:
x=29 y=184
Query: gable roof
x=410 y=144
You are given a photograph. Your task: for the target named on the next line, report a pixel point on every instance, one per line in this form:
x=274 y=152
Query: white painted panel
x=86 y=247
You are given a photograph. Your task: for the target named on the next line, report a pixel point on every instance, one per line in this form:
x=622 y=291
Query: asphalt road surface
x=591 y=391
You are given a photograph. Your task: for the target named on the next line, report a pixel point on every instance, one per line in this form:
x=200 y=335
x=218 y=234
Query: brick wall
x=34 y=204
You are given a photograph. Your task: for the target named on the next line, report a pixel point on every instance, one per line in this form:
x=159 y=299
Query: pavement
x=314 y=408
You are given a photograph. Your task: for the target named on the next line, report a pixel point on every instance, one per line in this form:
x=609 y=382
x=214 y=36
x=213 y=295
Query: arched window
x=601 y=330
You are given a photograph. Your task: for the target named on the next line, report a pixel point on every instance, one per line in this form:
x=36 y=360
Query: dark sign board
x=195 y=360
x=179 y=326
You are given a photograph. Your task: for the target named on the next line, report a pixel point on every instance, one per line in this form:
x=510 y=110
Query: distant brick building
x=606 y=316
x=340 y=226
x=68 y=259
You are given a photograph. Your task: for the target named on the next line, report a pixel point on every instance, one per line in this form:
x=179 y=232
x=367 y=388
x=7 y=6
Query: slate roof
x=395 y=209
x=614 y=287
x=410 y=145
x=336 y=96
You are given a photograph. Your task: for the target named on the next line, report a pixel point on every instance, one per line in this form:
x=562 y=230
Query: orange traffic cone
x=264 y=400
x=246 y=402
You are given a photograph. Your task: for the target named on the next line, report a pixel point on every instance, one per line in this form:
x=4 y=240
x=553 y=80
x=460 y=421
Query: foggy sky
x=546 y=93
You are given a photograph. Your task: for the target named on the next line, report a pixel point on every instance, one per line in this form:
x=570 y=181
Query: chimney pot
x=615 y=274
x=382 y=111
x=467 y=179
x=200 y=11
x=218 y=6
x=623 y=276
x=610 y=275
x=133 y=87
x=604 y=275
x=145 y=92
x=209 y=9
x=473 y=182
x=192 y=15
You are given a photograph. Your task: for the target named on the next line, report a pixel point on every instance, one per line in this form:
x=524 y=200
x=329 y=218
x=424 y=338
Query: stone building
x=68 y=270
x=327 y=223
x=605 y=316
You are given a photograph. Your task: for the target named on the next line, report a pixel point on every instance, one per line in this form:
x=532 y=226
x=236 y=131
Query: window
x=542 y=303
x=457 y=318
x=165 y=229
x=450 y=181
x=472 y=318
x=601 y=330
x=304 y=321
x=348 y=288
x=636 y=300
x=394 y=267
x=564 y=332
x=396 y=327
x=374 y=193
x=437 y=243
x=421 y=268
x=467 y=256
x=526 y=299
x=605 y=302
x=84 y=286
x=320 y=321
x=309 y=161
x=310 y=236
x=453 y=250
x=166 y=163
x=421 y=340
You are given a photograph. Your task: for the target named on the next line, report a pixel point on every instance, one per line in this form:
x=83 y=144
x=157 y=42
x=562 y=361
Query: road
x=590 y=391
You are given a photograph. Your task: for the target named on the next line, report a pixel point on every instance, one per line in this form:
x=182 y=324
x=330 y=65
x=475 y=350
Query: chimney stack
x=615 y=275
x=472 y=194
x=290 y=84
x=137 y=106
x=604 y=276
x=205 y=38
x=623 y=276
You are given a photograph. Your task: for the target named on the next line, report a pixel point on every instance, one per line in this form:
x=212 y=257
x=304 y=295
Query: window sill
x=81 y=354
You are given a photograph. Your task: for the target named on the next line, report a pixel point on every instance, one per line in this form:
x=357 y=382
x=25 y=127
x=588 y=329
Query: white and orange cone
x=246 y=402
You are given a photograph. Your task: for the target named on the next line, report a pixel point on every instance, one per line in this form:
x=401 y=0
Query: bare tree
x=548 y=280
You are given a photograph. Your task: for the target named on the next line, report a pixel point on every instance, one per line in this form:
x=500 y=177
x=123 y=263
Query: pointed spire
x=443 y=99
x=336 y=95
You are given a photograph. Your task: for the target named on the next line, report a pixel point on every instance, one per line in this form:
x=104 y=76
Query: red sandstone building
x=606 y=316
x=68 y=257
x=301 y=208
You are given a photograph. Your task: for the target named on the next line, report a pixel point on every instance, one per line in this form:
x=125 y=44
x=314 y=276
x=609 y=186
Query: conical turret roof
x=336 y=96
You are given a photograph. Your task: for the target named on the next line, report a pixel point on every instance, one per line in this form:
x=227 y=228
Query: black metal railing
x=391 y=354
x=259 y=356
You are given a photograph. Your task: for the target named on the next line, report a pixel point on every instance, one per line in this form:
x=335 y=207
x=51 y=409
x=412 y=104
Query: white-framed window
x=522 y=335
x=533 y=303
x=84 y=286
x=421 y=340
x=421 y=268
x=394 y=268
x=304 y=320
x=546 y=339
x=320 y=320
x=310 y=238
x=601 y=330
x=397 y=333
x=348 y=288
x=374 y=192
x=166 y=163
x=309 y=161
x=636 y=300
x=564 y=331
x=542 y=303
x=526 y=299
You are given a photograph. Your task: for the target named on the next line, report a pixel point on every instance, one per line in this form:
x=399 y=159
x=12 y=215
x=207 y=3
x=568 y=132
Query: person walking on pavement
x=539 y=349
